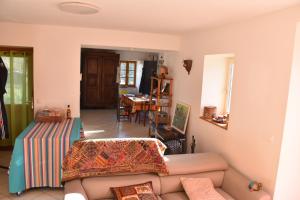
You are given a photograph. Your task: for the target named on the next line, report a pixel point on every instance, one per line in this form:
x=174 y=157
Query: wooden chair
x=125 y=110
x=142 y=113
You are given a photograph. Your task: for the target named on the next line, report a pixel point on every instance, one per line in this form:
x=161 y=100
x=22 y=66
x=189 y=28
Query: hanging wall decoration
x=187 y=64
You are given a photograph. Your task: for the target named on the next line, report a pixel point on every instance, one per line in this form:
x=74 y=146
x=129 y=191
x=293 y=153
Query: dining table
x=138 y=103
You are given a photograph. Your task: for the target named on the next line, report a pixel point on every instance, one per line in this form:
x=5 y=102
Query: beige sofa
x=227 y=181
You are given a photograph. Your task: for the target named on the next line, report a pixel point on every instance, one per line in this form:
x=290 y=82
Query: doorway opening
x=106 y=75
x=18 y=93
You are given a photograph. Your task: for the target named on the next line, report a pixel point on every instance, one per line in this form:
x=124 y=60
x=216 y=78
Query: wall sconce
x=187 y=64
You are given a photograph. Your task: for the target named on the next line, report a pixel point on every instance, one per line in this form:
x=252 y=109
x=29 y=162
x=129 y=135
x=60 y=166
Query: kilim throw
x=45 y=147
x=101 y=157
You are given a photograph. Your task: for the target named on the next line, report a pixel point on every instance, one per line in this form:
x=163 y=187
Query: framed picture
x=181 y=116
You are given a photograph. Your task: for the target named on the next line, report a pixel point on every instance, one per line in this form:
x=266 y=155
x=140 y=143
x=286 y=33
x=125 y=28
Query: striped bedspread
x=45 y=147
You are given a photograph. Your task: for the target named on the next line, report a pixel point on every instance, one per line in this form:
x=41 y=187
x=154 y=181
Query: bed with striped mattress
x=39 y=152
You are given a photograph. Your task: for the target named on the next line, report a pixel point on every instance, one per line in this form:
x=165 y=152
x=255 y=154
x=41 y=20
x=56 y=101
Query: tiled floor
x=97 y=124
x=35 y=194
x=103 y=124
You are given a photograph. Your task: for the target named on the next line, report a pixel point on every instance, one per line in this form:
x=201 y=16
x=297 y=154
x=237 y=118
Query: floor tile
x=5 y=158
x=44 y=196
x=4 y=197
x=58 y=194
x=3 y=178
x=28 y=195
x=4 y=187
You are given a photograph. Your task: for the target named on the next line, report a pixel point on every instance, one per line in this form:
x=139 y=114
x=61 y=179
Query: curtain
x=18 y=99
x=149 y=69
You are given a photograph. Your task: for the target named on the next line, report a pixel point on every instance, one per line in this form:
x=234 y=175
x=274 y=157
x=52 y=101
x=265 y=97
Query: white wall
x=287 y=183
x=57 y=55
x=263 y=49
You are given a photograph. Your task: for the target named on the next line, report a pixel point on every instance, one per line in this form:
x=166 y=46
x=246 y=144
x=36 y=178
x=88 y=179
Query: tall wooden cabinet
x=98 y=86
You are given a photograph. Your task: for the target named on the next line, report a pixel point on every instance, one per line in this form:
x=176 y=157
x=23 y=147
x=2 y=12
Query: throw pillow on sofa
x=200 y=189
x=143 y=191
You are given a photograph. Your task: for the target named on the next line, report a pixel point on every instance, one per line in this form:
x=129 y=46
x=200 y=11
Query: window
x=217 y=85
x=128 y=73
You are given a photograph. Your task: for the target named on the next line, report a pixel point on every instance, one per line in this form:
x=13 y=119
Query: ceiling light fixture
x=78 y=8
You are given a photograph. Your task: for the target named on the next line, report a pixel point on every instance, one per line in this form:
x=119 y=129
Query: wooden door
x=91 y=81
x=108 y=81
x=99 y=87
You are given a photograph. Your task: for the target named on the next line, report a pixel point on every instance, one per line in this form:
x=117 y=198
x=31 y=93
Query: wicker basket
x=174 y=147
x=50 y=115
x=209 y=112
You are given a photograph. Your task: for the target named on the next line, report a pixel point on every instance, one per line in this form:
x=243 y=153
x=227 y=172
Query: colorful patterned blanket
x=101 y=157
x=45 y=146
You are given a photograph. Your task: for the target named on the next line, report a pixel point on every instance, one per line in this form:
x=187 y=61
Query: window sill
x=224 y=126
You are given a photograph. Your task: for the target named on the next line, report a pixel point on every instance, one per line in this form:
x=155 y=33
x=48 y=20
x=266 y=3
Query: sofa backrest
x=198 y=165
x=184 y=165
x=195 y=163
x=99 y=187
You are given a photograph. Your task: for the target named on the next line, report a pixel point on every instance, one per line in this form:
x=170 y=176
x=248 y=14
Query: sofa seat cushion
x=194 y=163
x=175 y=196
x=183 y=196
x=224 y=194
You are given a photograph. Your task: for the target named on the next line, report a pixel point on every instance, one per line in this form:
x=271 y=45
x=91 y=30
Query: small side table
x=173 y=139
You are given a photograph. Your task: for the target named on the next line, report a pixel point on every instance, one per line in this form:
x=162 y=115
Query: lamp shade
x=163 y=70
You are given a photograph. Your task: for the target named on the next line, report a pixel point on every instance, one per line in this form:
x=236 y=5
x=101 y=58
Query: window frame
x=231 y=66
x=127 y=73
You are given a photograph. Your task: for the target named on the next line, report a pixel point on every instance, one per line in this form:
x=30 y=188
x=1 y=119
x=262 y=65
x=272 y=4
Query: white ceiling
x=163 y=16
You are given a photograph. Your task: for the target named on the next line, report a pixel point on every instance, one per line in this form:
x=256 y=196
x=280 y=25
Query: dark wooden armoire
x=99 y=72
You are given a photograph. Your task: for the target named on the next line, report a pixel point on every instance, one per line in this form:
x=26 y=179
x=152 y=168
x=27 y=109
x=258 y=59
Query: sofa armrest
x=236 y=185
x=74 y=190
